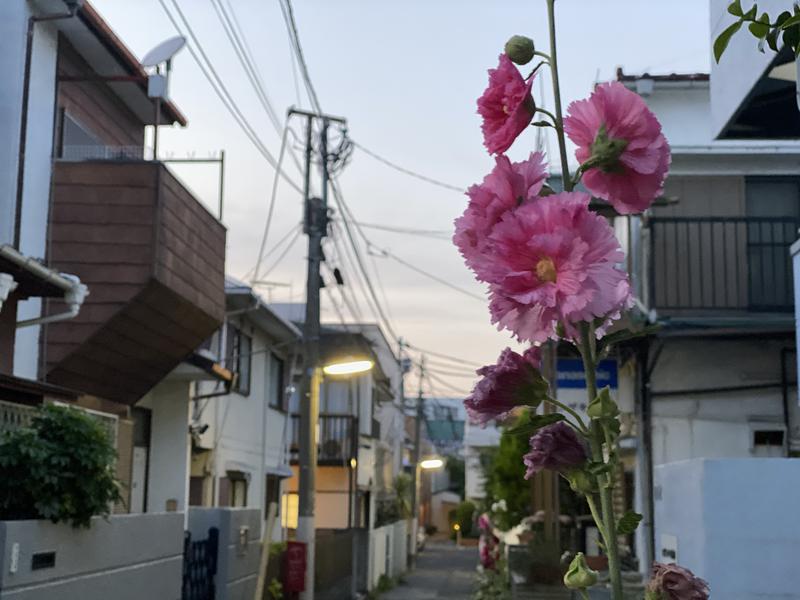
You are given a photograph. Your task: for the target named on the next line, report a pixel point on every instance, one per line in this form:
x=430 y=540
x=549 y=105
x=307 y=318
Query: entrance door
x=138 y=479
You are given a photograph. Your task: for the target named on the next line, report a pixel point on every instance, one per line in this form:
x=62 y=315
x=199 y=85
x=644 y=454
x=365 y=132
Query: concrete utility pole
x=315 y=225
x=415 y=492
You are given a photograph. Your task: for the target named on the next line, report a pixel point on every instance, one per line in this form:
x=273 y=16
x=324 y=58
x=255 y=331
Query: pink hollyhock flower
x=506 y=187
x=488 y=550
x=621 y=140
x=555 y=447
x=485 y=523
x=672 y=582
x=512 y=382
x=554 y=261
x=506 y=106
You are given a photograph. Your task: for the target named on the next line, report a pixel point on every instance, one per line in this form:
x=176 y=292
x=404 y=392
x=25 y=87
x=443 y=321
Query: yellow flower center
x=546 y=270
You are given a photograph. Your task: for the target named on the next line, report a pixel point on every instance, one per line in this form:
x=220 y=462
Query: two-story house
x=240 y=436
x=81 y=198
x=710 y=266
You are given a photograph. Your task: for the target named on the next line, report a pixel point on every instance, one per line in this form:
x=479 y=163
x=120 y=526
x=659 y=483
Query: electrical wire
x=284 y=253
x=221 y=90
x=272 y=250
x=294 y=37
x=436 y=234
x=460 y=361
x=409 y=172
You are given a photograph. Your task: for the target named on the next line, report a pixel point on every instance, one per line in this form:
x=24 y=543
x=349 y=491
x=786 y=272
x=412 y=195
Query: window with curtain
x=239 y=354
x=276 y=385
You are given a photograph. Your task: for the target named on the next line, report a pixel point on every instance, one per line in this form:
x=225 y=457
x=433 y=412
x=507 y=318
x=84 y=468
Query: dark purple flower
x=672 y=582
x=509 y=383
x=556 y=447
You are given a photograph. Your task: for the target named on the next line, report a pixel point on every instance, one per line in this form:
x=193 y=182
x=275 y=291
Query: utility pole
x=315 y=225
x=415 y=488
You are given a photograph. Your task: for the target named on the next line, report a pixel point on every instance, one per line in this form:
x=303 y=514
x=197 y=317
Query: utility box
x=734 y=522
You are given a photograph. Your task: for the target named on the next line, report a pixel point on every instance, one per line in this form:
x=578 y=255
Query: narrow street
x=443 y=571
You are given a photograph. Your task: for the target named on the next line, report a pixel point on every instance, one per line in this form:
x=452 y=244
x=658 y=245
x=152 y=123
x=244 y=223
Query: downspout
x=73 y=297
x=73 y=6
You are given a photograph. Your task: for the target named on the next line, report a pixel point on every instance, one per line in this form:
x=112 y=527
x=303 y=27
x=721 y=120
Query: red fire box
x=294 y=567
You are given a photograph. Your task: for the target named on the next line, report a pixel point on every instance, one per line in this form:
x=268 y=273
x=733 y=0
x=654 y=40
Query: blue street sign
x=571 y=374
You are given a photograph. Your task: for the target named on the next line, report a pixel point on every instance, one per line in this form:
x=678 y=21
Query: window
x=77 y=142
x=238 y=358
x=234 y=490
x=276 y=385
x=768 y=442
x=273 y=493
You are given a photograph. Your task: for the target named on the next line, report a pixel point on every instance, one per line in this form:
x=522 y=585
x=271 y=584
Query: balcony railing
x=722 y=263
x=336 y=442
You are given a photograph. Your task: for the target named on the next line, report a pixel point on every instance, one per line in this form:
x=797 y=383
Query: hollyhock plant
x=555 y=447
x=511 y=382
x=672 y=582
x=506 y=106
x=623 y=153
x=553 y=261
x=506 y=187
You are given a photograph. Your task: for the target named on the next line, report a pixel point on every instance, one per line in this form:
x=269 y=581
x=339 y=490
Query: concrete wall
x=128 y=557
x=476 y=438
x=388 y=552
x=733 y=522
x=795 y=251
x=239 y=547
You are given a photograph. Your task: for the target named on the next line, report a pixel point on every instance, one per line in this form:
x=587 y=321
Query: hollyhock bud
x=555 y=447
x=603 y=406
x=672 y=582
x=520 y=49
x=581 y=482
x=514 y=381
x=579 y=576
x=506 y=106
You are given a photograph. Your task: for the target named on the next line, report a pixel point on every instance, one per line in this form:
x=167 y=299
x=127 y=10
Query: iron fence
x=336 y=442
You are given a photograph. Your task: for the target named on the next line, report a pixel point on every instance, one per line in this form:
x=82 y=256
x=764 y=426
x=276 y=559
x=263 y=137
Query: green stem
x=596 y=516
x=562 y=143
x=582 y=425
x=584 y=594
x=548 y=113
x=605 y=482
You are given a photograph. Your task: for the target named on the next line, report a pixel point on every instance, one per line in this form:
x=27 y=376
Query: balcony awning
x=284 y=471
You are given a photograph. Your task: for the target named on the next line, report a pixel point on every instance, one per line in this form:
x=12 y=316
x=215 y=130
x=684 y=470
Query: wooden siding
x=153 y=259
x=93 y=104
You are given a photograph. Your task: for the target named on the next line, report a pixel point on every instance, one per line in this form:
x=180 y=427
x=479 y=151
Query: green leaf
x=790 y=22
x=542 y=124
x=624 y=335
x=759 y=30
x=628 y=523
x=724 y=39
x=782 y=18
x=772 y=39
x=751 y=14
x=529 y=422
x=791 y=37
x=735 y=8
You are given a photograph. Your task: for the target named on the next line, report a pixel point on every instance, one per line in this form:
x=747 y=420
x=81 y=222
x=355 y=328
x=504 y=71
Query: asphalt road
x=442 y=571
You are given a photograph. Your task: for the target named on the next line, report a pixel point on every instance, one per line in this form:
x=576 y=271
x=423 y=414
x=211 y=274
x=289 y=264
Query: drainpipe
x=72 y=9
x=73 y=297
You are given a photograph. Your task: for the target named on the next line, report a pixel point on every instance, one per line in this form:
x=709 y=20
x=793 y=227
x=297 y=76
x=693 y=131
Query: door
x=138 y=479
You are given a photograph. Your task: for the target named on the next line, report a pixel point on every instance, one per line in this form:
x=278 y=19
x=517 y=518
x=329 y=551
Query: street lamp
x=430 y=464
x=348 y=366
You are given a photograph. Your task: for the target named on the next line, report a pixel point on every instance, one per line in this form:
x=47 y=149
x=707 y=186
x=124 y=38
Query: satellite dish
x=164 y=51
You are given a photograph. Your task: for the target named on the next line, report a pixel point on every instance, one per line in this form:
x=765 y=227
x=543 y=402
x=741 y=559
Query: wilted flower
x=555 y=447
x=512 y=382
x=620 y=140
x=506 y=187
x=672 y=582
x=554 y=261
x=506 y=106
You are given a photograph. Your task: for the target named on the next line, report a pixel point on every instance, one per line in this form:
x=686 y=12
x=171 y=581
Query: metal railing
x=336 y=439
x=721 y=263
x=14 y=416
x=75 y=153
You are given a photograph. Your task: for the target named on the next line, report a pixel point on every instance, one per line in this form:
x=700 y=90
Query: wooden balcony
x=721 y=265
x=153 y=259
x=338 y=440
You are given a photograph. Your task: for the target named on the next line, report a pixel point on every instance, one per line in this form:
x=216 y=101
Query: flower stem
x=582 y=426
x=584 y=594
x=606 y=482
x=562 y=144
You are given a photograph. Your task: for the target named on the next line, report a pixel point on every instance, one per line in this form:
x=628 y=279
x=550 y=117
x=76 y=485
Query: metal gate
x=200 y=566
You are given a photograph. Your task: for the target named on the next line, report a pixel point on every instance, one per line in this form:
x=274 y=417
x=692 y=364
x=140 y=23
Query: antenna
x=164 y=52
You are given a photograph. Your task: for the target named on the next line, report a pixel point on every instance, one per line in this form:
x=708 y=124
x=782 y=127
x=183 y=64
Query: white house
x=240 y=436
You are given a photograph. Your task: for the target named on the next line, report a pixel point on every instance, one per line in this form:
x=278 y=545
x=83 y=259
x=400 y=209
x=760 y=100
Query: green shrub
x=60 y=468
x=464 y=515
x=275 y=590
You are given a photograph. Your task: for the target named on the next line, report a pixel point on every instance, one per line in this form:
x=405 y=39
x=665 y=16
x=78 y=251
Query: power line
x=220 y=89
x=284 y=253
x=272 y=250
x=291 y=25
x=437 y=234
x=461 y=361
x=409 y=172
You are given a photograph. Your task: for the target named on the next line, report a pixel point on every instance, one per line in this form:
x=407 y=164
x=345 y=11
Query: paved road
x=442 y=571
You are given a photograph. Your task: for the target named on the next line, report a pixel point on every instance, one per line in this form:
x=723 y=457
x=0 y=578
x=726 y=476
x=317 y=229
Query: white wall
x=733 y=522
x=39 y=143
x=168 y=468
x=476 y=438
